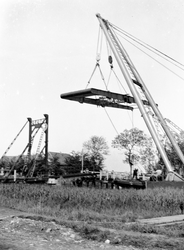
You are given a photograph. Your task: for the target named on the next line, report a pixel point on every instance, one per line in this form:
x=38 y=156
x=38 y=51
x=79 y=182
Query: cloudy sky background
x=48 y=47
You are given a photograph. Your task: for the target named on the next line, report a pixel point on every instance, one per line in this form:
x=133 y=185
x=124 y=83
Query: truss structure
x=34 y=127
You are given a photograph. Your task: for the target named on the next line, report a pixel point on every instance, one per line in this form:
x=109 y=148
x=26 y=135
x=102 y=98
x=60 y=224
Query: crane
x=140 y=95
x=133 y=80
x=34 y=127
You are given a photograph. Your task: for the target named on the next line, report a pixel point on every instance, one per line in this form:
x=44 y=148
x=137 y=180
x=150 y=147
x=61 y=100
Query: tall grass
x=90 y=204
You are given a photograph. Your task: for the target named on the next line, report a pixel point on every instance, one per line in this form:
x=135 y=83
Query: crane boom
x=133 y=80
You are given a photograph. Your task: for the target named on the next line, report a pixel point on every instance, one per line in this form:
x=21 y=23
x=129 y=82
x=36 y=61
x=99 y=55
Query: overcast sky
x=48 y=47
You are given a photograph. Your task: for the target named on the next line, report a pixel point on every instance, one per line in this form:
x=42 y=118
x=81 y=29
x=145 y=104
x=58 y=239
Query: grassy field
x=97 y=213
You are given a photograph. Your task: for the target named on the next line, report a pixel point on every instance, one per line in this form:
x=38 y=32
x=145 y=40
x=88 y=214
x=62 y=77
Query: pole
x=30 y=139
x=46 y=138
x=15 y=175
x=82 y=162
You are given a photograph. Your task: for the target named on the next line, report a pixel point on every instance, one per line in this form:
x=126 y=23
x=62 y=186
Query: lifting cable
x=110 y=62
x=157 y=54
x=99 y=45
x=103 y=79
x=114 y=124
x=154 y=59
x=131 y=119
x=98 y=57
x=151 y=48
x=111 y=121
x=118 y=80
x=109 y=77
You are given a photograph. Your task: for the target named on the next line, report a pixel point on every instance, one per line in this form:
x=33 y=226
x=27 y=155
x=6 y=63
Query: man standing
x=135 y=173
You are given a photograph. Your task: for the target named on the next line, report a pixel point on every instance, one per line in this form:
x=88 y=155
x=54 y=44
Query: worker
x=135 y=173
x=86 y=170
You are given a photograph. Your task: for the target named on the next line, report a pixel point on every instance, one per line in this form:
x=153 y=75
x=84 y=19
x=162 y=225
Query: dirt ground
x=25 y=231
x=17 y=233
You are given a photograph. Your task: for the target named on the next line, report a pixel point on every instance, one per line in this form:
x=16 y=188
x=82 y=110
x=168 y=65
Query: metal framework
x=101 y=98
x=34 y=127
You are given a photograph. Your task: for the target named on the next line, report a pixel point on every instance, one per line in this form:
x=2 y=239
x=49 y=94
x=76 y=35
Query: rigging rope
x=110 y=60
x=108 y=48
x=158 y=52
x=109 y=77
x=99 y=45
x=154 y=59
x=14 y=140
x=103 y=79
x=131 y=119
x=98 y=57
x=119 y=81
x=111 y=121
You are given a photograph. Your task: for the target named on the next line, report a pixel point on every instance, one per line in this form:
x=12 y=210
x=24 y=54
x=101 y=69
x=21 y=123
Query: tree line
x=137 y=148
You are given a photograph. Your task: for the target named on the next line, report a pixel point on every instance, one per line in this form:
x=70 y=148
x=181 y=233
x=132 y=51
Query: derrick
x=140 y=94
x=27 y=170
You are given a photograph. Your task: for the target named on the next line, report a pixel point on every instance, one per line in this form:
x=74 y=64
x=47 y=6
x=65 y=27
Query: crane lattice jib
x=133 y=78
x=36 y=156
x=28 y=154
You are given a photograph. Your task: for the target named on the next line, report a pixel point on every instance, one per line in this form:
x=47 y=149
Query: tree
x=132 y=140
x=148 y=154
x=96 y=148
x=74 y=162
x=173 y=156
x=13 y=164
x=92 y=156
x=54 y=166
x=19 y=165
